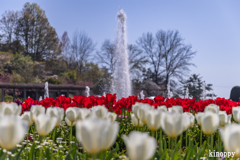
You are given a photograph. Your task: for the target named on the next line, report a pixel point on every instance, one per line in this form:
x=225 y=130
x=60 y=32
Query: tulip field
x=104 y=128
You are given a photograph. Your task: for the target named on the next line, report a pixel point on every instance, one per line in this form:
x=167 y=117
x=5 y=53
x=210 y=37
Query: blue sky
x=211 y=27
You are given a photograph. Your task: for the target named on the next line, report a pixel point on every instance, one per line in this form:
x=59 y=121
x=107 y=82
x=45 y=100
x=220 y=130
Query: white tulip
x=178 y=109
x=213 y=108
x=231 y=137
x=99 y=111
x=71 y=115
x=36 y=110
x=236 y=114
x=191 y=117
x=154 y=119
x=186 y=121
x=172 y=123
x=143 y=112
x=13 y=131
x=140 y=146
x=96 y=134
x=198 y=117
x=27 y=117
x=224 y=119
x=209 y=122
x=10 y=109
x=135 y=109
x=71 y=124
x=111 y=116
x=83 y=113
x=56 y=112
x=162 y=108
x=136 y=122
x=45 y=124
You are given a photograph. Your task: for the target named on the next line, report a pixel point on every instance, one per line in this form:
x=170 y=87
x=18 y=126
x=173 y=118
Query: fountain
x=87 y=91
x=187 y=93
x=171 y=94
x=121 y=83
x=203 y=90
x=142 y=95
x=46 y=93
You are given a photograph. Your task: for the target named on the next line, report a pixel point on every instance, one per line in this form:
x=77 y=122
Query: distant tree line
x=31 y=51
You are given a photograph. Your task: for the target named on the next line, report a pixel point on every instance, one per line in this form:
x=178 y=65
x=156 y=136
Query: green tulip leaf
x=110 y=155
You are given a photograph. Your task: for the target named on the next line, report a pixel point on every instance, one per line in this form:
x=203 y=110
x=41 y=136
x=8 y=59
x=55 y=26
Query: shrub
x=72 y=75
x=8 y=98
x=53 y=81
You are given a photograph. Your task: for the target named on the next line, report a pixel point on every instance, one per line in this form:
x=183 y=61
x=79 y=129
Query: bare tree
x=168 y=55
x=149 y=46
x=106 y=55
x=8 y=24
x=81 y=49
x=136 y=59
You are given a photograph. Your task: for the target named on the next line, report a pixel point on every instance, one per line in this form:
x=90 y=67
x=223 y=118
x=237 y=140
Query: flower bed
x=130 y=128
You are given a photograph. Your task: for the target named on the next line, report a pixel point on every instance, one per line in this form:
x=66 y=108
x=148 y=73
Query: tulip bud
x=178 y=109
x=186 y=121
x=213 y=108
x=230 y=137
x=135 y=109
x=136 y=122
x=172 y=123
x=209 y=122
x=143 y=112
x=99 y=111
x=154 y=119
x=199 y=117
x=191 y=117
x=36 y=110
x=45 y=124
x=10 y=109
x=71 y=115
x=111 y=116
x=138 y=141
x=224 y=119
x=83 y=113
x=69 y=123
x=57 y=113
x=162 y=108
x=27 y=117
x=96 y=134
x=13 y=130
x=236 y=114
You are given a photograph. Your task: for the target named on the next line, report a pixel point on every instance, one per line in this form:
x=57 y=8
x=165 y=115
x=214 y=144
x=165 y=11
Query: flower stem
x=220 y=141
x=54 y=134
x=208 y=139
x=186 y=137
x=212 y=142
x=40 y=149
x=200 y=137
x=180 y=143
x=169 y=143
x=70 y=137
x=156 y=134
x=161 y=139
